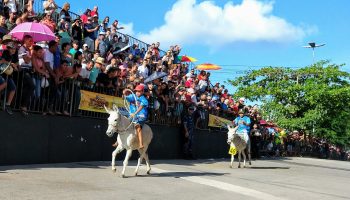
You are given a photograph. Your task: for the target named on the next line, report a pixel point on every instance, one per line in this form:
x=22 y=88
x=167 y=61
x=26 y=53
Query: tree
x=314 y=98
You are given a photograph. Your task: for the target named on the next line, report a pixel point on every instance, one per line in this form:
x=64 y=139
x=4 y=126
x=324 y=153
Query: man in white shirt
x=11 y=4
x=49 y=56
x=86 y=69
x=143 y=70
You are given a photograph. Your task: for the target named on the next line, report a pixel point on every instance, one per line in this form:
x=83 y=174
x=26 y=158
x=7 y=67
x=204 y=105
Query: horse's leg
x=114 y=154
x=244 y=157
x=232 y=159
x=147 y=163
x=141 y=152
x=239 y=158
x=249 y=154
x=126 y=160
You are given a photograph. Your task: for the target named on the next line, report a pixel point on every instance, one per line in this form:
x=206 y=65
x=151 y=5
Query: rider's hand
x=132 y=116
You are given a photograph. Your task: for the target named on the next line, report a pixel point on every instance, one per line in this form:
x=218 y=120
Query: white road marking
x=224 y=186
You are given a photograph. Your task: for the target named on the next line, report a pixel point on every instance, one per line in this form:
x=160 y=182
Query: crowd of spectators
x=89 y=53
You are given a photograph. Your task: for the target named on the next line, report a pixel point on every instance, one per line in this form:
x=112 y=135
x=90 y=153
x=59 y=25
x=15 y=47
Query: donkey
x=241 y=141
x=127 y=139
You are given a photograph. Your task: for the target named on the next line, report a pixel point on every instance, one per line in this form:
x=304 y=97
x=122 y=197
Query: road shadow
x=268 y=168
x=93 y=165
x=178 y=174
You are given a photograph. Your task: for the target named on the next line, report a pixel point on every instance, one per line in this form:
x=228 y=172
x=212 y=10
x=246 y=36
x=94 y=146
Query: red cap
x=139 y=88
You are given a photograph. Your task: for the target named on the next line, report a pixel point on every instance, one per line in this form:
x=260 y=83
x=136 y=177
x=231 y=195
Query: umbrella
x=208 y=66
x=39 y=32
x=154 y=76
x=186 y=59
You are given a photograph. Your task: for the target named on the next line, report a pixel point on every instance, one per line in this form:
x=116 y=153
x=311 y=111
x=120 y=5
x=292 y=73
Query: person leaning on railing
x=9 y=56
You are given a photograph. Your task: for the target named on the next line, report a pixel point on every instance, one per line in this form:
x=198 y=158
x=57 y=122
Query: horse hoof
x=149 y=172
x=250 y=163
x=114 y=170
x=123 y=176
x=231 y=166
x=135 y=174
x=239 y=166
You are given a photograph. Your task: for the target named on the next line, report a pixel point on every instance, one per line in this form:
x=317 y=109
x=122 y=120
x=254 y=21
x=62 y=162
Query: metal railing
x=43 y=96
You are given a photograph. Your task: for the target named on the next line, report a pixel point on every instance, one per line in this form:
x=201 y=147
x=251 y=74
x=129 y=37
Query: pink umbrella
x=39 y=32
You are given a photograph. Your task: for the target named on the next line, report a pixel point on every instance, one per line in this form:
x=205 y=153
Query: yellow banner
x=92 y=101
x=215 y=121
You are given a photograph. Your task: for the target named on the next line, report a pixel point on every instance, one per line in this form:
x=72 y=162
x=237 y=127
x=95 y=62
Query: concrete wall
x=52 y=139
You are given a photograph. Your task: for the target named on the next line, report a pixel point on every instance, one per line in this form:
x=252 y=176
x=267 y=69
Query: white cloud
x=128 y=28
x=206 y=23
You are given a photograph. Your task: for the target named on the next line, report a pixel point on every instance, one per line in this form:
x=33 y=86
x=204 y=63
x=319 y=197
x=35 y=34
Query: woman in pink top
x=39 y=68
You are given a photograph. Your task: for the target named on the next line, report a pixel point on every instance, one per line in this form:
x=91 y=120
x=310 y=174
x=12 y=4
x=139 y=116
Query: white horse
x=241 y=142
x=127 y=139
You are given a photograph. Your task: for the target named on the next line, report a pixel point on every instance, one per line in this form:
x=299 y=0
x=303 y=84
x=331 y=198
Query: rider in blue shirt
x=243 y=122
x=138 y=110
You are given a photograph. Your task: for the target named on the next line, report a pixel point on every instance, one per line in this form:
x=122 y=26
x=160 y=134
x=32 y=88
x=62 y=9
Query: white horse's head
x=231 y=132
x=113 y=120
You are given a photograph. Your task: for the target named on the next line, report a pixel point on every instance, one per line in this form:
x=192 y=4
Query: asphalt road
x=290 y=178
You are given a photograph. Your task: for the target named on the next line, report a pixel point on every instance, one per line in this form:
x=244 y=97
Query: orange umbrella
x=208 y=66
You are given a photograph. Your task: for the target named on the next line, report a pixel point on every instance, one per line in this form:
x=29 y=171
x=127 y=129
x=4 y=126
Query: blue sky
x=238 y=34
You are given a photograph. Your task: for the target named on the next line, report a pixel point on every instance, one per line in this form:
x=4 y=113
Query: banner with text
x=215 y=121
x=92 y=101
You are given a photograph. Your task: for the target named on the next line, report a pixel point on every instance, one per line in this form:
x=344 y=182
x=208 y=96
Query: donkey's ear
x=107 y=110
x=229 y=126
x=115 y=108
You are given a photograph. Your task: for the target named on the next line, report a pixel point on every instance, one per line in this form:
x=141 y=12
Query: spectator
x=9 y=56
x=3 y=28
x=57 y=55
x=176 y=53
x=105 y=23
x=61 y=74
x=143 y=70
x=66 y=55
x=95 y=23
x=40 y=71
x=188 y=125
x=114 y=25
x=47 y=20
x=11 y=21
x=101 y=45
x=113 y=64
x=11 y=4
x=50 y=6
x=89 y=35
x=75 y=47
x=77 y=31
x=87 y=55
x=78 y=58
x=65 y=12
x=85 y=71
x=49 y=58
x=99 y=64
x=84 y=17
x=94 y=11
x=64 y=32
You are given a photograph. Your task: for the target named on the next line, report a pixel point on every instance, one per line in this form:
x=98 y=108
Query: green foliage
x=314 y=98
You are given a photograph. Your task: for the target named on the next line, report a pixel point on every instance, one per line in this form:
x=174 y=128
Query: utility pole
x=313 y=45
